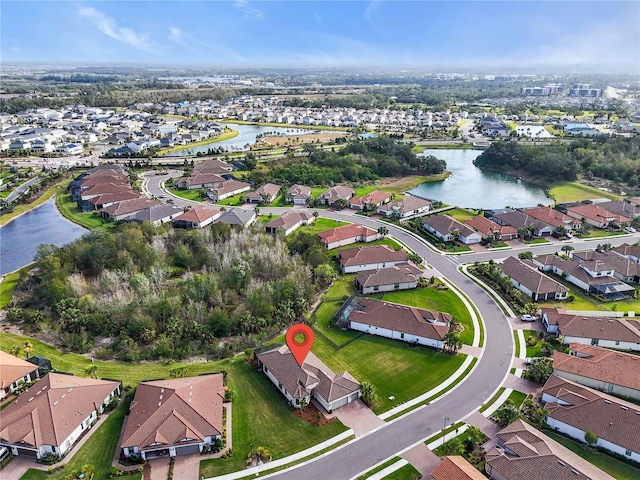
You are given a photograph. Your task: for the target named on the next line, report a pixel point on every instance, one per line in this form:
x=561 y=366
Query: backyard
x=567 y=192
x=91 y=220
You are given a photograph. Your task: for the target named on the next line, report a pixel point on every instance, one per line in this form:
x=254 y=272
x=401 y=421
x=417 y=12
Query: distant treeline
x=613 y=158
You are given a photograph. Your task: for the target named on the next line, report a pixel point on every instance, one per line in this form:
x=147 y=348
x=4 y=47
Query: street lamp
x=444 y=428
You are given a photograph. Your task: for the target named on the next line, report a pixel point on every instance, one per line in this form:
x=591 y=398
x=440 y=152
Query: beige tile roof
x=539 y=457
x=230 y=186
x=600 y=364
x=488 y=227
x=212 y=165
x=289 y=219
x=444 y=224
x=129 y=206
x=370 y=255
x=609 y=418
x=49 y=411
x=409 y=320
x=455 y=467
x=406 y=204
x=299 y=191
x=353 y=230
x=373 y=198
x=528 y=275
x=197 y=214
x=13 y=368
x=389 y=276
x=175 y=411
x=337 y=192
x=598 y=214
x=268 y=190
x=617 y=329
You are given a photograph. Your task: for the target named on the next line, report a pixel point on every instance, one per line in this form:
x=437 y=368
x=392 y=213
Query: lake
x=19 y=239
x=247 y=135
x=469 y=186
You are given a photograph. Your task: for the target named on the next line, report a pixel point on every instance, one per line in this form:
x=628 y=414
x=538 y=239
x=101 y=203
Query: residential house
x=405 y=207
x=197 y=217
x=227 y=189
x=50 y=417
x=606 y=370
x=347 y=234
x=631 y=252
x=621 y=207
x=156 y=214
x=299 y=195
x=199 y=180
x=526 y=277
x=553 y=217
x=213 y=165
x=455 y=467
x=313 y=380
x=609 y=332
x=575 y=410
x=339 y=192
x=70 y=149
x=594 y=276
x=374 y=257
x=623 y=268
x=490 y=230
x=289 y=222
x=173 y=417
x=596 y=215
x=15 y=372
x=267 y=193
x=448 y=229
x=402 y=277
x=238 y=217
x=121 y=210
x=391 y=320
x=518 y=219
x=523 y=453
x=107 y=199
x=370 y=200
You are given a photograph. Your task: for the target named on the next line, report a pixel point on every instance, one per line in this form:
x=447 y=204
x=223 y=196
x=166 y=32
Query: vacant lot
x=281 y=141
x=576 y=192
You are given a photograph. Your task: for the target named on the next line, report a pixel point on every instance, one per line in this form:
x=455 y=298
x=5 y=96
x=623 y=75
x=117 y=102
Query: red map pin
x=300 y=339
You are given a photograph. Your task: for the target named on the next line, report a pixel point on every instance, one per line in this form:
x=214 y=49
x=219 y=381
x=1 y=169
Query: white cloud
x=248 y=11
x=175 y=34
x=108 y=26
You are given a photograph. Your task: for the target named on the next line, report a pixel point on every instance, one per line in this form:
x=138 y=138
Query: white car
x=528 y=318
x=630 y=230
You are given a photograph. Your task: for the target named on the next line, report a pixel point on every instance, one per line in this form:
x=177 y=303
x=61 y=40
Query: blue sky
x=324 y=33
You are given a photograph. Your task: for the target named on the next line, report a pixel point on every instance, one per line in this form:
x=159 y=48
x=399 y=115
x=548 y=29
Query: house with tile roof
x=227 y=189
x=526 y=277
x=608 y=332
x=121 y=210
x=199 y=180
x=157 y=214
x=372 y=257
x=238 y=217
x=392 y=320
x=622 y=207
x=405 y=207
x=266 y=194
x=289 y=222
x=197 y=217
x=370 y=200
x=624 y=269
x=575 y=410
x=455 y=467
x=449 y=229
x=50 y=417
x=596 y=215
x=347 y=234
x=391 y=279
x=631 y=252
x=523 y=453
x=298 y=195
x=553 y=217
x=179 y=416
x=15 y=372
x=339 y=192
x=313 y=380
x=599 y=368
x=518 y=219
x=489 y=229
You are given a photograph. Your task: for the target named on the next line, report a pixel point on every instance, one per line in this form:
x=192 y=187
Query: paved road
x=21 y=189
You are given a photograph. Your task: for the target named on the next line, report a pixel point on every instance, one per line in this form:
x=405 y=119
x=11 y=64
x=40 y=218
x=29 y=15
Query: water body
x=469 y=186
x=247 y=135
x=19 y=239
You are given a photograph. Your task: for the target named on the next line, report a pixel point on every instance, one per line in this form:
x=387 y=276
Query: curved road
x=488 y=375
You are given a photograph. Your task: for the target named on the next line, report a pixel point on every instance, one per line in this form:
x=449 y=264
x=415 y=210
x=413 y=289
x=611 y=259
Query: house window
x=594 y=341
x=627 y=453
x=376 y=288
x=397 y=286
x=402 y=335
x=280 y=385
x=617 y=342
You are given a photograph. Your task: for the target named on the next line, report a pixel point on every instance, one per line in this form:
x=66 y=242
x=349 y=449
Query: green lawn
x=597 y=233
x=97 y=451
x=70 y=210
x=235 y=201
x=193 y=195
x=490 y=402
x=461 y=214
x=516 y=343
x=517 y=397
x=533 y=351
x=56 y=189
x=613 y=467
x=380 y=467
x=535 y=241
x=390 y=366
x=9 y=284
x=408 y=472
x=324 y=323
x=261 y=417
x=360 y=191
x=322 y=224
x=342 y=286
x=567 y=192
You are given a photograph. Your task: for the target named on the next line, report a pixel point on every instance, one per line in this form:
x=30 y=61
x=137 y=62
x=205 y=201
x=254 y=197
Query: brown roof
x=175 y=411
x=371 y=254
x=550 y=216
x=600 y=364
x=574 y=268
x=92 y=181
x=337 y=192
x=527 y=274
x=610 y=419
x=198 y=178
x=230 y=186
x=212 y=165
x=106 y=188
x=488 y=227
x=129 y=206
x=49 y=411
x=620 y=264
x=621 y=208
x=300 y=381
x=299 y=191
x=114 y=197
x=389 y=276
x=407 y=204
x=13 y=368
x=529 y=454
x=269 y=190
x=374 y=198
x=598 y=213
x=197 y=214
x=345 y=232
x=628 y=250
x=617 y=329
x=444 y=224
x=410 y=320
x=455 y=467
x=288 y=220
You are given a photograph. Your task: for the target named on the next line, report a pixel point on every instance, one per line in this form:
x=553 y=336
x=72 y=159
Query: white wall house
x=396 y=335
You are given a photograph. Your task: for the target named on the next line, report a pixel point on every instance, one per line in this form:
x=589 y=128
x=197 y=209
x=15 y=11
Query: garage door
x=188 y=449
x=339 y=403
x=27 y=453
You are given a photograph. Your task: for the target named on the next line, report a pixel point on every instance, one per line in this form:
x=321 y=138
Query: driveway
x=17 y=468
x=187 y=467
x=358 y=417
x=159 y=469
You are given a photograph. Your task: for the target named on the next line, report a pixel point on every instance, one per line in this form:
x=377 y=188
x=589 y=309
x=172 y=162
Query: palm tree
x=567 y=248
x=92 y=371
x=15 y=350
x=27 y=347
x=451 y=342
x=383 y=231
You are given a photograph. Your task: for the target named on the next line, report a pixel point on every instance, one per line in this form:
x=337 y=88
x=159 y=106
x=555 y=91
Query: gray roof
x=389 y=276
x=529 y=276
x=444 y=224
x=237 y=216
x=155 y=213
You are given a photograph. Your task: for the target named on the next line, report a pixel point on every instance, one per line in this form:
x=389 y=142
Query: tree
x=303 y=404
x=590 y=437
x=530 y=308
x=540 y=369
x=451 y=342
x=383 y=231
x=525 y=255
x=340 y=203
x=567 y=248
x=507 y=413
x=15 y=350
x=92 y=371
x=368 y=394
x=179 y=371
x=27 y=347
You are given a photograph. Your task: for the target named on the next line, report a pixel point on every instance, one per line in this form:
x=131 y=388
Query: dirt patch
x=311 y=414
x=281 y=141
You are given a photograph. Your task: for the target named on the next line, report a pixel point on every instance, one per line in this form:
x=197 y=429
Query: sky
x=250 y=33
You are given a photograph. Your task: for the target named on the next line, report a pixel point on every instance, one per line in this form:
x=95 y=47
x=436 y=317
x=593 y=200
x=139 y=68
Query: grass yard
x=360 y=191
x=535 y=241
x=235 y=201
x=324 y=323
x=56 y=189
x=517 y=397
x=491 y=401
x=533 y=351
x=461 y=214
x=193 y=195
x=390 y=366
x=613 y=467
x=433 y=299
x=97 y=451
x=90 y=220
x=567 y=192
x=226 y=135
x=261 y=417
x=380 y=467
x=408 y=472
x=9 y=284
x=385 y=241
x=321 y=224
x=342 y=286
x=597 y=233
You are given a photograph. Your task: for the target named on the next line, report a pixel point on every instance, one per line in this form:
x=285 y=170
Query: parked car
x=528 y=318
x=528 y=361
x=630 y=229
